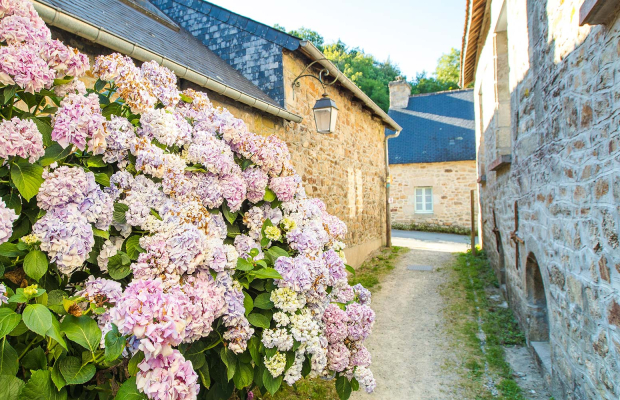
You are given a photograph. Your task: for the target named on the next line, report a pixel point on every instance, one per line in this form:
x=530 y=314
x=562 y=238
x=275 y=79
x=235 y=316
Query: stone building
x=249 y=68
x=433 y=160
x=547 y=103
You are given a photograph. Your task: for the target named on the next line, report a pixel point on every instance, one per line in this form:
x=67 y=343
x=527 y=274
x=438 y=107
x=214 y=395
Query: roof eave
x=71 y=23
x=474 y=17
x=310 y=50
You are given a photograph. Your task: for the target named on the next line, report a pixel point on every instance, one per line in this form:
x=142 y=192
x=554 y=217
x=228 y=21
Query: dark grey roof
x=267 y=32
x=437 y=127
x=176 y=45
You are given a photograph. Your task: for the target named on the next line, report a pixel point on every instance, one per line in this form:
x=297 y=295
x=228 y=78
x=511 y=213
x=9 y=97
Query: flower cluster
x=185 y=238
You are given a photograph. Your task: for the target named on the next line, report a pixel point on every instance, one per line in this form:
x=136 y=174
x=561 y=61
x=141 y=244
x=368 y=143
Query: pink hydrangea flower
x=167 y=377
x=21 y=138
x=78 y=120
x=7 y=217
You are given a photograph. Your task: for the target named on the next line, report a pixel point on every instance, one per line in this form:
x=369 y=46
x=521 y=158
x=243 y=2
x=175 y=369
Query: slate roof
x=139 y=27
x=437 y=127
x=256 y=28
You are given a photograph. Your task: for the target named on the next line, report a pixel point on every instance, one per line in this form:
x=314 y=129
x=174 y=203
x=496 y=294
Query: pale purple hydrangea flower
x=16 y=29
x=166 y=127
x=208 y=189
x=336 y=266
x=239 y=329
x=20 y=7
x=21 y=65
x=334 y=226
x=206 y=302
x=256 y=180
x=20 y=137
x=77 y=120
x=365 y=378
x=304 y=240
x=164 y=82
x=295 y=273
x=76 y=86
x=336 y=322
x=284 y=187
x=360 y=356
x=7 y=217
x=244 y=244
x=338 y=357
x=65 y=60
x=65 y=185
x=167 y=377
x=101 y=290
x=155 y=316
x=66 y=237
x=212 y=153
x=119 y=133
x=363 y=295
x=272 y=214
x=3 y=292
x=361 y=321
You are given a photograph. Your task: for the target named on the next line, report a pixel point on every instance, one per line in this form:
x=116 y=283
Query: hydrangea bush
x=151 y=246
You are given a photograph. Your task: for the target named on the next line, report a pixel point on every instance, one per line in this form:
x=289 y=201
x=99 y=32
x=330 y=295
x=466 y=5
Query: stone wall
x=345 y=169
x=561 y=191
x=451 y=183
x=256 y=58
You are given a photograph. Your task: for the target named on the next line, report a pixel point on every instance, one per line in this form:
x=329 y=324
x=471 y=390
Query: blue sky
x=413 y=33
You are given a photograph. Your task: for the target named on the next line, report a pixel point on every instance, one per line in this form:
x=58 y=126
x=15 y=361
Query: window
x=424 y=200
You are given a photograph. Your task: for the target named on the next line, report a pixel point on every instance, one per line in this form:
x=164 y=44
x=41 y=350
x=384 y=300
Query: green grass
x=369 y=274
x=471 y=279
x=304 y=389
x=432 y=228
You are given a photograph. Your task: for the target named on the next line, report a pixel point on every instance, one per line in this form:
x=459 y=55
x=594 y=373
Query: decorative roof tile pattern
x=138 y=27
x=437 y=127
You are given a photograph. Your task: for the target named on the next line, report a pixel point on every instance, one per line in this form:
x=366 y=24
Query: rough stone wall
x=258 y=59
x=565 y=182
x=451 y=183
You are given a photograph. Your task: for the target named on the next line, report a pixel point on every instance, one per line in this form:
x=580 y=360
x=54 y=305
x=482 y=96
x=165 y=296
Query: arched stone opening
x=538 y=315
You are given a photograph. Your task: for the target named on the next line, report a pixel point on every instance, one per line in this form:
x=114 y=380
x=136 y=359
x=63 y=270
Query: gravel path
x=408 y=341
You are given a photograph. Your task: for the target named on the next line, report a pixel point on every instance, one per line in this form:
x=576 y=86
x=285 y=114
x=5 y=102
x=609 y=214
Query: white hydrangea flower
x=276 y=364
x=279 y=338
x=287 y=299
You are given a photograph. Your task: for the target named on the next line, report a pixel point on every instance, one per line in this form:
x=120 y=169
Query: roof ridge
x=217 y=16
x=441 y=92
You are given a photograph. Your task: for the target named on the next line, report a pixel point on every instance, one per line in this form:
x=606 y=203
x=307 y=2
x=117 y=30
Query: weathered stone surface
x=451 y=183
x=565 y=112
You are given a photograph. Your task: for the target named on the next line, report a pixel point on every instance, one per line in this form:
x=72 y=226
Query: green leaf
x=9 y=92
x=205 y=377
x=132 y=247
x=247 y=303
x=186 y=98
x=101 y=233
x=27 y=178
x=102 y=178
x=57 y=377
x=35 y=264
x=132 y=367
x=266 y=273
x=9 y=364
x=54 y=153
x=8 y=321
x=54 y=301
x=11 y=250
x=63 y=81
x=230 y=360
x=343 y=388
x=254 y=348
x=114 y=344
x=230 y=216
x=277 y=252
x=38 y=318
x=263 y=301
x=45 y=129
x=19 y=330
x=355 y=385
x=350 y=269
x=13 y=201
x=54 y=333
x=34 y=359
x=11 y=386
x=243 y=375
x=269 y=195
x=119 y=266
x=197 y=360
x=83 y=331
x=259 y=320
x=74 y=372
x=119 y=212
x=111 y=109
x=244 y=265
x=96 y=162
x=41 y=387
x=99 y=85
x=129 y=391
x=271 y=384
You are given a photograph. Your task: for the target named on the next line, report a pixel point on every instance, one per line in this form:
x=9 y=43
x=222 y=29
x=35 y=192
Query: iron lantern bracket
x=322 y=73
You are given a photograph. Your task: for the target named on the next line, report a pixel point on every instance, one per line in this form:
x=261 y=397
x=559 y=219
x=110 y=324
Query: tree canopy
x=373 y=76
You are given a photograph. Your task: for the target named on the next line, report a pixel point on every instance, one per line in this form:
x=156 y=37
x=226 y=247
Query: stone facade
x=237 y=40
x=345 y=169
x=547 y=95
x=451 y=183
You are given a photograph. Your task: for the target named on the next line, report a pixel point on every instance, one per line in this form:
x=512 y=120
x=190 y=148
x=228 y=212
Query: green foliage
x=445 y=77
x=375 y=267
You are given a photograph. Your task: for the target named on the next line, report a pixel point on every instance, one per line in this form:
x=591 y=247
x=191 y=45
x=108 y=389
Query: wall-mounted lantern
x=325 y=110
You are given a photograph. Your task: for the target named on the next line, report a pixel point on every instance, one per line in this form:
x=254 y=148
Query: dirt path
x=408 y=340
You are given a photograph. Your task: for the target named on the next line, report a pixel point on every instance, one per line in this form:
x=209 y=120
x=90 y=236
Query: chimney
x=399 y=93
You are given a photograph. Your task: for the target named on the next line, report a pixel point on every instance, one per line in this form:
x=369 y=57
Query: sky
x=412 y=33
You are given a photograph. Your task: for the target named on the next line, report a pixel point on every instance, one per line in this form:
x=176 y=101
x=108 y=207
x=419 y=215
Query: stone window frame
x=424 y=196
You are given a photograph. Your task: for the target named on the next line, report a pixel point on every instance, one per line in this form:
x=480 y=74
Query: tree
x=306 y=34
x=449 y=66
